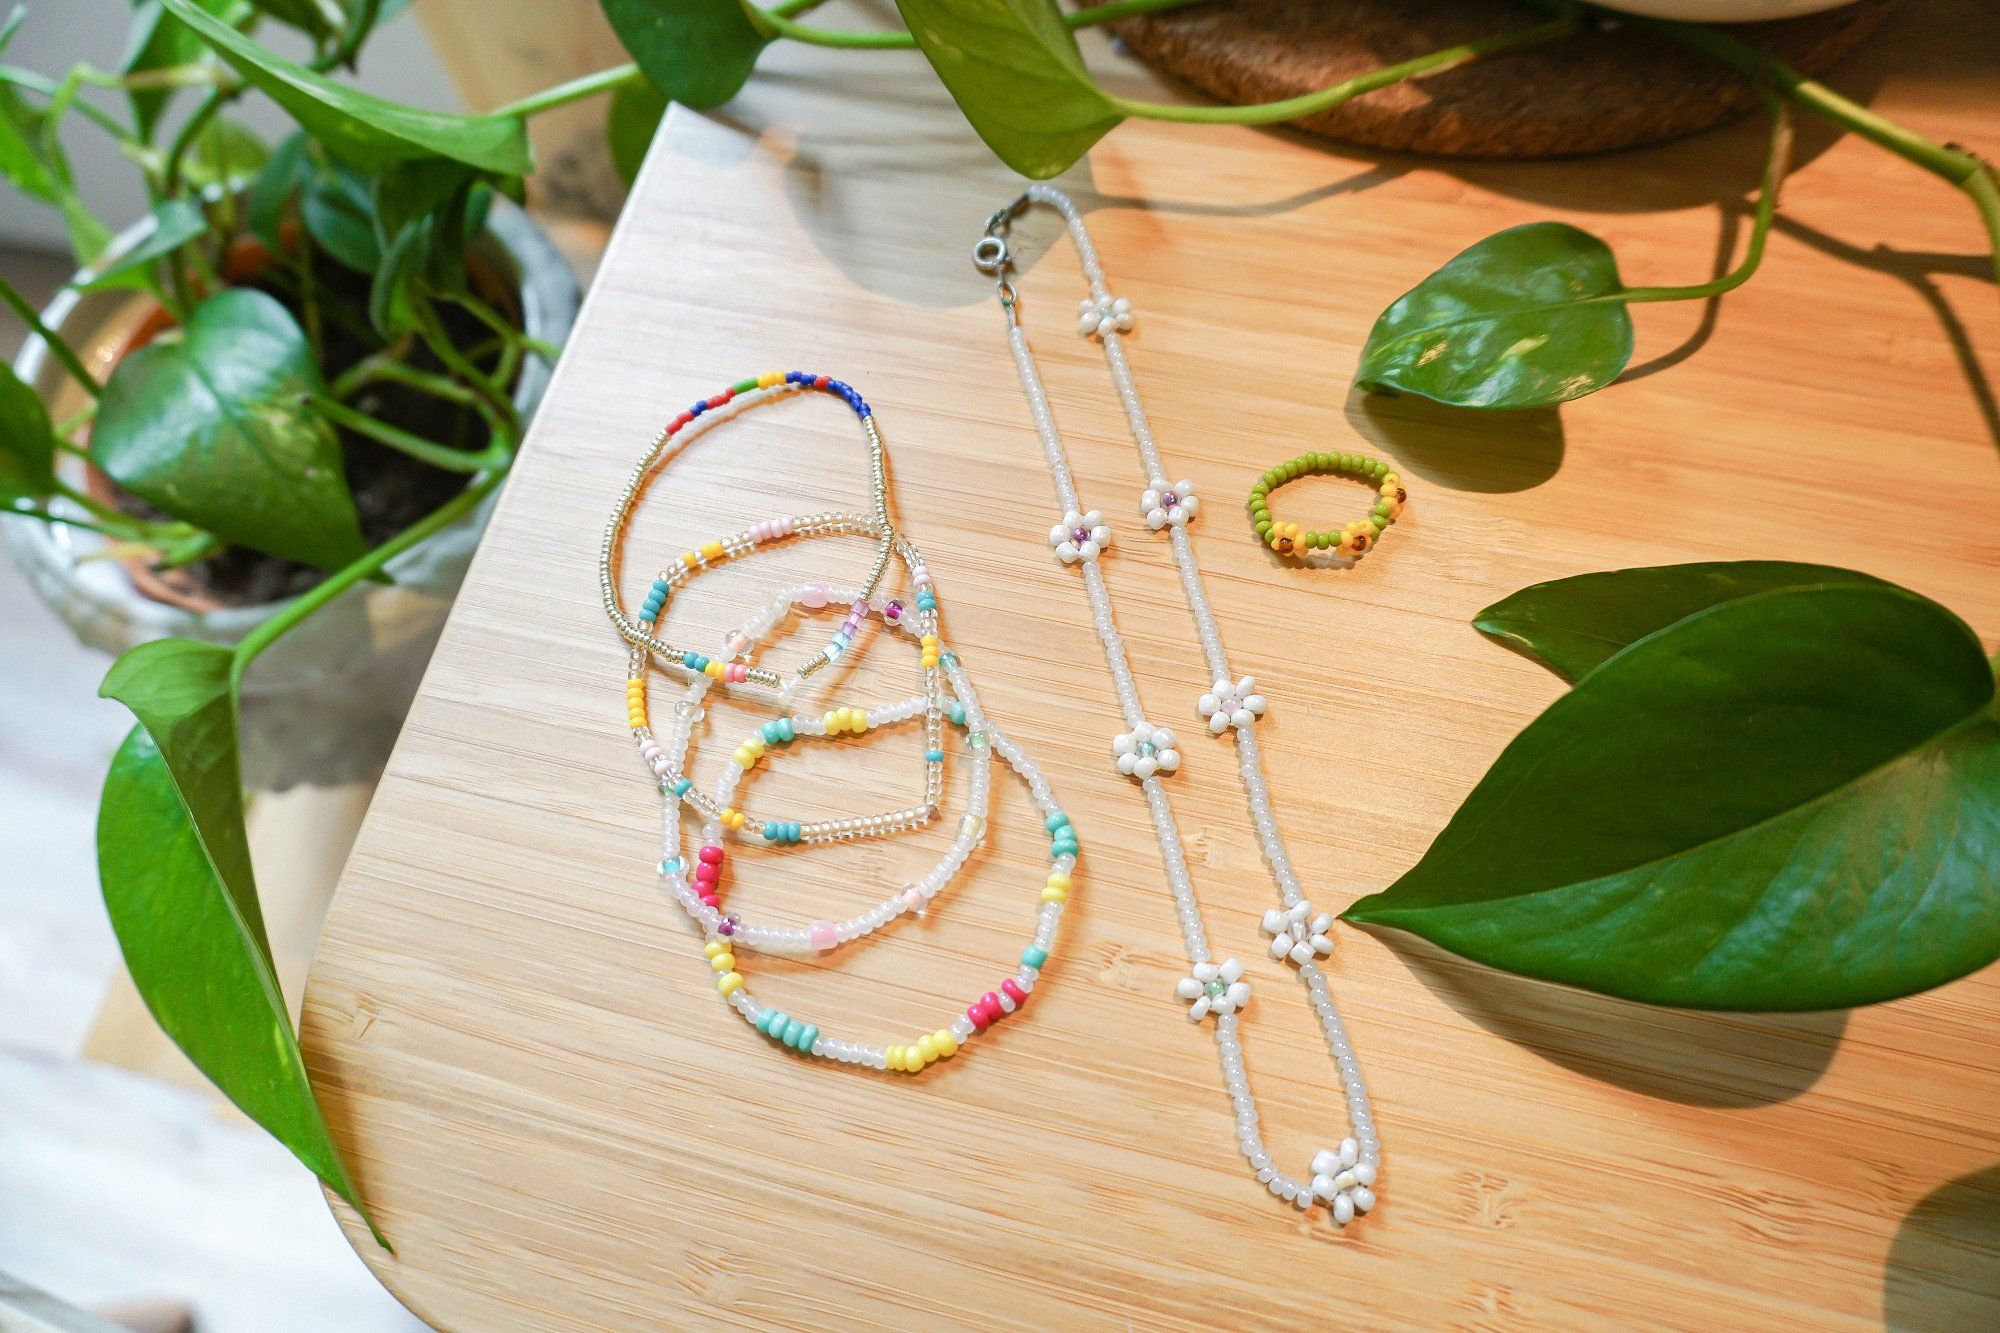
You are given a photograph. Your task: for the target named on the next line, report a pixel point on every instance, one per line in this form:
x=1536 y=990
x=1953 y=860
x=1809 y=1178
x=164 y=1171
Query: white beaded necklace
x=1342 y=1177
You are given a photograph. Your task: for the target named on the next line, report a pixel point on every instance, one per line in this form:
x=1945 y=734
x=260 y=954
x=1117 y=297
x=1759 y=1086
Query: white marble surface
x=115 y=1187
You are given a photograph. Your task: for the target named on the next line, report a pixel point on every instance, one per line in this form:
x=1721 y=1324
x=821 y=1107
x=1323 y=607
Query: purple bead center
x=726 y=926
x=1170 y=501
x=1079 y=535
x=894 y=610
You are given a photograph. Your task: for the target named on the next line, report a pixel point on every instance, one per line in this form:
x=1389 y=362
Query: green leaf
x=697 y=52
x=214 y=429
x=1525 y=318
x=1787 y=801
x=158 y=40
x=365 y=131
x=1572 y=626
x=338 y=212
x=27 y=444
x=175 y=223
x=305 y=15
x=1014 y=69
x=225 y=155
x=389 y=307
x=269 y=197
x=174 y=865
x=636 y=109
x=20 y=162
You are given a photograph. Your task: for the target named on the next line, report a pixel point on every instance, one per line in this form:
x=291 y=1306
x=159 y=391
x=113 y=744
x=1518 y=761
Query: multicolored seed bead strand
x=697 y=881
x=1343 y=1177
x=1288 y=540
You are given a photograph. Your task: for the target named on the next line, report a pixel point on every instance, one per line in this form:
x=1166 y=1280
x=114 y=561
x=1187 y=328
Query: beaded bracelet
x=1288 y=540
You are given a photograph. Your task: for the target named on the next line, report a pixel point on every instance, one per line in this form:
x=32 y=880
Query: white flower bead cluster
x=1227 y=705
x=1094 y=319
x=1214 y=988
x=1144 y=751
x=1342 y=1181
x=1079 y=536
x=1297 y=933
x=1163 y=504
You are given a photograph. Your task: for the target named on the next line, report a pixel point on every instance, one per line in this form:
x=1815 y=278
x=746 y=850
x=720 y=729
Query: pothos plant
x=311 y=312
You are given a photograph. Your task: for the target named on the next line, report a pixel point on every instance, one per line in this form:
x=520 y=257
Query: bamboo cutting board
x=523 y=1055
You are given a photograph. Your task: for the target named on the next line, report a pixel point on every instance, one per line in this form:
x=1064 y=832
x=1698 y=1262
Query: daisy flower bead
x=1227 y=705
x=1096 y=318
x=1342 y=1181
x=1163 y=504
x=1214 y=988
x=1079 y=536
x=1298 y=933
x=1144 y=751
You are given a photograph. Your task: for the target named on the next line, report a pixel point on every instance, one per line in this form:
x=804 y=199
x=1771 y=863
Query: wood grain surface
x=560 y=1126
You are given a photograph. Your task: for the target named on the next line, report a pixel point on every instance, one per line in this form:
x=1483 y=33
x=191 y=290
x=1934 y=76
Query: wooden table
x=521 y=1051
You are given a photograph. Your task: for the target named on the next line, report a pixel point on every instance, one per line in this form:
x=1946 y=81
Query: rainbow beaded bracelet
x=1287 y=539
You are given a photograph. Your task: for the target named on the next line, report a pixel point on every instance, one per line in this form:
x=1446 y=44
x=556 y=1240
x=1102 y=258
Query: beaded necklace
x=696 y=881
x=1341 y=1177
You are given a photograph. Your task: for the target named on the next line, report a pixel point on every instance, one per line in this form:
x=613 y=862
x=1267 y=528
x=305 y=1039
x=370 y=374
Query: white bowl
x=1723 y=11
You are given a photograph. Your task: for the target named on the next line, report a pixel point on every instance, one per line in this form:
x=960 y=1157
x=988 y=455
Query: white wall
x=397 y=63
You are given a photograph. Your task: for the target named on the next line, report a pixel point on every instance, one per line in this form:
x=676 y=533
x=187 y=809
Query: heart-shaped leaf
x=175 y=223
x=1786 y=801
x=365 y=131
x=214 y=429
x=27 y=444
x=696 y=52
x=1574 y=625
x=636 y=109
x=1014 y=69
x=224 y=154
x=1526 y=318
x=174 y=866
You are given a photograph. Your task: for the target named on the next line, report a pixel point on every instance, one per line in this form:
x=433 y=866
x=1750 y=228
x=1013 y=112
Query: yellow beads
x=714 y=949
x=712 y=551
x=635 y=703
x=712 y=668
x=730 y=817
x=1285 y=539
x=690 y=560
x=729 y=983
x=748 y=753
x=927 y=1050
x=723 y=962
x=929 y=643
x=1057 y=889
x=852 y=720
x=770 y=379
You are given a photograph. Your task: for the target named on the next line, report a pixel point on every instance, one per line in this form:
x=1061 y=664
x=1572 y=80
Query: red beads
x=1014 y=993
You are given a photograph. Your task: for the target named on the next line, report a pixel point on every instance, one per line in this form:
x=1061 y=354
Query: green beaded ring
x=1288 y=540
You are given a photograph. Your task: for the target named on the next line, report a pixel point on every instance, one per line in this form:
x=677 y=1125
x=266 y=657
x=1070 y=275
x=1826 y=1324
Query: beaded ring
x=1288 y=540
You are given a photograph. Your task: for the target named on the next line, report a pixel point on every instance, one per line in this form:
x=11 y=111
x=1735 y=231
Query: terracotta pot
x=324 y=703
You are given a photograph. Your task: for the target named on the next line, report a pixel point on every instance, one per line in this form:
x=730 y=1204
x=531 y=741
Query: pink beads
x=708 y=874
x=735 y=671
x=823 y=937
x=814 y=596
x=1014 y=992
x=771 y=529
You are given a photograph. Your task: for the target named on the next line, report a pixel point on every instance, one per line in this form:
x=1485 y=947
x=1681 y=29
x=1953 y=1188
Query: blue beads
x=782 y=1027
x=783 y=830
x=926 y=602
x=671 y=866
x=655 y=600
x=682 y=786
x=934 y=756
x=779 y=732
x=958 y=715
x=691 y=659
x=1062 y=838
x=807 y=1036
x=1033 y=956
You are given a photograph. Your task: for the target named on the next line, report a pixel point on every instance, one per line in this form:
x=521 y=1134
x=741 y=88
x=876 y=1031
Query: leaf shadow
x=1919 y=269
x=1462 y=449
x=1694 y=1057
x=1944 y=1264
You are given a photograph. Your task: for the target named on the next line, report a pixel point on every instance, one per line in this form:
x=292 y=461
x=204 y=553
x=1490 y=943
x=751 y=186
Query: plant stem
x=1296 y=108
x=782 y=26
x=1777 y=161
x=366 y=567
x=590 y=85
x=1972 y=176
x=59 y=349
x=496 y=453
